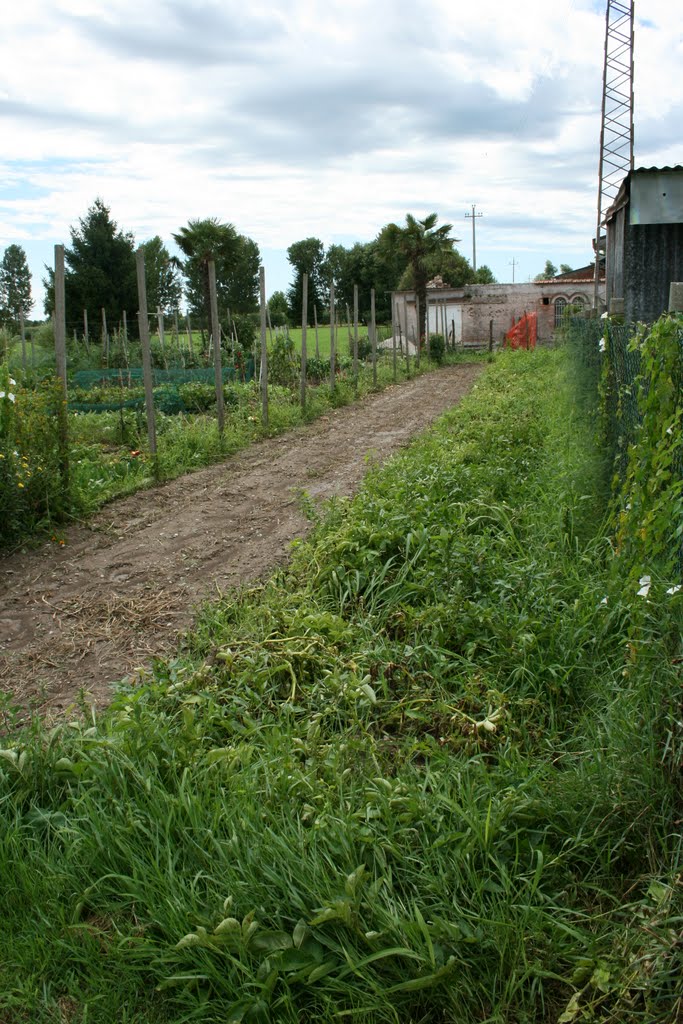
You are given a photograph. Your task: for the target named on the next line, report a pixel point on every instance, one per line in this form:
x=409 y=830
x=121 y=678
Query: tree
x=422 y=244
x=99 y=269
x=162 y=276
x=15 y=285
x=484 y=275
x=549 y=271
x=279 y=309
x=236 y=258
x=306 y=257
x=565 y=268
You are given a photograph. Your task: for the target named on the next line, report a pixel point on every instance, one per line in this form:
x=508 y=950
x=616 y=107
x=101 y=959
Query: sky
x=323 y=118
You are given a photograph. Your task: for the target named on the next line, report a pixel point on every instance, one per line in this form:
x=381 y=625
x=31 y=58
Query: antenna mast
x=616 y=130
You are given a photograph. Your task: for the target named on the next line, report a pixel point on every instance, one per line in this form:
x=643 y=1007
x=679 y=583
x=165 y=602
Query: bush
x=30 y=481
x=437 y=347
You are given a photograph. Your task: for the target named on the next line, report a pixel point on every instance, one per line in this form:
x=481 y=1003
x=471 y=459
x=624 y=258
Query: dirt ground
x=79 y=617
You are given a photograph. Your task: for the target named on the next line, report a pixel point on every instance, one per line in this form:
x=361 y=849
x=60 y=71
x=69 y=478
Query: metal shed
x=644 y=249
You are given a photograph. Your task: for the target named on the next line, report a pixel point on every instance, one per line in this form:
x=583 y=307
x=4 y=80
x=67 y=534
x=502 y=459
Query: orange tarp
x=523 y=334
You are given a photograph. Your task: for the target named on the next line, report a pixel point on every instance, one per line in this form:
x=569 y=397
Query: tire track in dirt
x=123 y=587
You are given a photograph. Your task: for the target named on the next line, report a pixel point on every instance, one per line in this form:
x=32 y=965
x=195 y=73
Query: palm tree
x=420 y=241
x=200 y=242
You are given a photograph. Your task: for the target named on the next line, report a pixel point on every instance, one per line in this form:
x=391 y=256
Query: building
x=478 y=314
x=644 y=242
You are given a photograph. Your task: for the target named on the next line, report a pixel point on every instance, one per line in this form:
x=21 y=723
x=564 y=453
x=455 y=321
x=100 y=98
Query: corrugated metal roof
x=622 y=195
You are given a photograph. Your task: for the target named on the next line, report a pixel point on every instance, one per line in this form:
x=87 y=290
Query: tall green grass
x=423 y=774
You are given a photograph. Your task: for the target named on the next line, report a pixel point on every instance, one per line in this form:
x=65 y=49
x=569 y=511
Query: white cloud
x=321 y=117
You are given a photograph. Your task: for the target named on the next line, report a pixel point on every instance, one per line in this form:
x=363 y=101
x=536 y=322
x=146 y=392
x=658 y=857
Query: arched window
x=560 y=306
x=579 y=301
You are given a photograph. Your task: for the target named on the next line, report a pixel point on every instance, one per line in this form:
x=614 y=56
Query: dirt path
x=122 y=588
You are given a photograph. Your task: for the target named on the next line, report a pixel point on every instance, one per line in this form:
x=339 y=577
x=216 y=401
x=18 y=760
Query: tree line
x=100 y=272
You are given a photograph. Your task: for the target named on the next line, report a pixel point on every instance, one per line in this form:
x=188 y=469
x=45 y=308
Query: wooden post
x=348 y=329
x=189 y=334
x=124 y=339
x=394 y=309
x=429 y=355
x=22 y=331
x=160 y=327
x=304 y=327
x=355 y=336
x=332 y=337
x=105 y=337
x=264 y=348
x=418 y=332
x=373 y=337
x=315 y=321
x=143 y=328
x=216 y=335
x=405 y=321
x=176 y=332
x=59 y=322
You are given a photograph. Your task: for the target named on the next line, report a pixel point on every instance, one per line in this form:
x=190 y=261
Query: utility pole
x=473 y=216
x=513 y=263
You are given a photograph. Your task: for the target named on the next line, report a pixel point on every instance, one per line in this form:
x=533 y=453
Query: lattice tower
x=616 y=130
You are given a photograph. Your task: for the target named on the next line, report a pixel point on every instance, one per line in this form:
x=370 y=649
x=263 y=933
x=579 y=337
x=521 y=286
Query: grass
x=424 y=774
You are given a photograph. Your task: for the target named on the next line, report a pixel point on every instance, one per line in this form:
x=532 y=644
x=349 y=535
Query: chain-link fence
x=609 y=365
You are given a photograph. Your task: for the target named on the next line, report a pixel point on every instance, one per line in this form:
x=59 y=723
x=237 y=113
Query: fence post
x=373 y=337
x=405 y=323
x=160 y=325
x=189 y=334
x=332 y=336
x=105 y=337
x=315 y=321
x=22 y=330
x=355 y=336
x=394 y=310
x=216 y=336
x=304 y=326
x=60 y=355
x=85 y=331
x=264 y=347
x=143 y=328
x=427 y=350
x=418 y=332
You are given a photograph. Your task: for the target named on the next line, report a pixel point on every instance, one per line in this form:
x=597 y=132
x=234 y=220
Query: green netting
x=131 y=403
x=133 y=376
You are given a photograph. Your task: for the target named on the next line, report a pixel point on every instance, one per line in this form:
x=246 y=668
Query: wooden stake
x=216 y=336
x=405 y=322
x=417 y=343
x=105 y=337
x=315 y=321
x=22 y=331
x=143 y=328
x=264 y=348
x=304 y=327
x=393 y=333
x=332 y=337
x=373 y=337
x=355 y=336
x=59 y=321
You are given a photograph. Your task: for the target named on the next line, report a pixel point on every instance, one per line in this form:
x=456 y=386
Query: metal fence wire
x=612 y=366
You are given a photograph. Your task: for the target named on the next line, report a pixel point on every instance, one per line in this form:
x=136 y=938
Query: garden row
x=426 y=773
x=53 y=468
